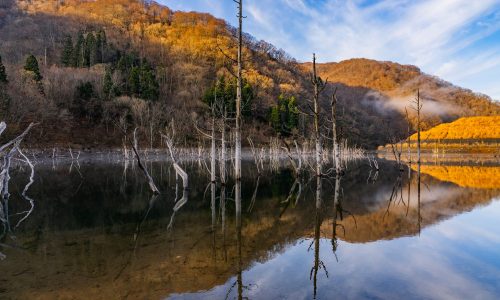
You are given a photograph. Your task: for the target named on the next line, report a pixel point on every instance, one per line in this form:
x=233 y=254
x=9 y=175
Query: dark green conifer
x=67 y=54
x=89 y=53
x=32 y=66
x=78 y=51
x=134 y=81
x=3 y=73
x=149 y=84
x=108 y=84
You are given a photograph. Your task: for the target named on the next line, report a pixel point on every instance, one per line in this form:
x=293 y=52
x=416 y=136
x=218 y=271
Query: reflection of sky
x=456 y=259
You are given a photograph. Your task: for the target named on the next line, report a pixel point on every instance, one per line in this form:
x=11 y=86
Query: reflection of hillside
x=99 y=259
x=438 y=202
x=466 y=176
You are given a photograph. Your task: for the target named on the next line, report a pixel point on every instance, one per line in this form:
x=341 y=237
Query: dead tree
x=336 y=148
x=408 y=134
x=319 y=85
x=417 y=106
x=237 y=148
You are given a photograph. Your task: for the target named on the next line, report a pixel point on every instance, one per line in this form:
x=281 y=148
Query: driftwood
x=151 y=182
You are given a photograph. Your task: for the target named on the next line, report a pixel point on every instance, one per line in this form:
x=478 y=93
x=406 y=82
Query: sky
x=457 y=40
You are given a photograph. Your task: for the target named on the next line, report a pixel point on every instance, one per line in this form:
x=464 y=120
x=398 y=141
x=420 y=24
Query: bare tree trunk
x=212 y=152
x=408 y=134
x=418 y=126
x=318 y=87
x=223 y=152
x=336 y=148
x=237 y=154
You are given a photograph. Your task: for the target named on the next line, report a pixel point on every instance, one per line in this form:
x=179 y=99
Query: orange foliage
x=466 y=176
x=482 y=127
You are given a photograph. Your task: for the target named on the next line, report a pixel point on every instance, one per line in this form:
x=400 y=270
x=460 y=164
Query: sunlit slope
x=466 y=176
x=481 y=127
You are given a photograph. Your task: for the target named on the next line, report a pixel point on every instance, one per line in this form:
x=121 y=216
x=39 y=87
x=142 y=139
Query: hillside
x=468 y=128
x=140 y=64
x=394 y=86
x=480 y=134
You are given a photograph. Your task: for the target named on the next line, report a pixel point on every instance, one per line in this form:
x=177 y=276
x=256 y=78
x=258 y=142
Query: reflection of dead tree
x=294 y=194
x=25 y=190
x=7 y=154
x=397 y=193
x=318 y=264
x=179 y=172
x=339 y=215
x=254 y=196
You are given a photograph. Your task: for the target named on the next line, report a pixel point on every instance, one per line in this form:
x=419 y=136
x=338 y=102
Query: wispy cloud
x=456 y=39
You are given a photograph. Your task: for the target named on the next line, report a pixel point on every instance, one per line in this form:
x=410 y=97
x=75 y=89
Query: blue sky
x=457 y=40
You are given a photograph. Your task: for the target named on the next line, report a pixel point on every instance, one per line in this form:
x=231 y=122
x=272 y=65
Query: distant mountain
x=183 y=54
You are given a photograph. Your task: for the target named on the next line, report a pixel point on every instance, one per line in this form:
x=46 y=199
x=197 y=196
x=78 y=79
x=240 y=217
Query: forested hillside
x=100 y=64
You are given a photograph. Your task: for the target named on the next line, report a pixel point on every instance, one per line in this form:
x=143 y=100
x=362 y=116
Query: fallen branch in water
x=151 y=182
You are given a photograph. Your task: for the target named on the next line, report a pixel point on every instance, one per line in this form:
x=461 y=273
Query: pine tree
x=100 y=46
x=149 y=85
x=67 y=54
x=32 y=66
x=134 y=81
x=3 y=74
x=89 y=50
x=78 y=51
x=108 y=84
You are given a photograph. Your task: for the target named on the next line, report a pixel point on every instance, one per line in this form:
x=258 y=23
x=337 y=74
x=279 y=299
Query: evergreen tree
x=134 y=81
x=32 y=66
x=108 y=84
x=293 y=113
x=85 y=91
x=89 y=52
x=98 y=48
x=67 y=54
x=78 y=51
x=101 y=46
x=3 y=73
x=227 y=90
x=149 y=85
x=284 y=116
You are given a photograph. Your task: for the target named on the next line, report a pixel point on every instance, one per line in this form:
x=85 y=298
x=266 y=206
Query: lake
x=97 y=232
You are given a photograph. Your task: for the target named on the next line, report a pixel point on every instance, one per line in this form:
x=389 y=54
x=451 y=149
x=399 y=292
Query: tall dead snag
x=319 y=85
x=237 y=148
x=336 y=148
x=417 y=106
x=151 y=182
x=408 y=134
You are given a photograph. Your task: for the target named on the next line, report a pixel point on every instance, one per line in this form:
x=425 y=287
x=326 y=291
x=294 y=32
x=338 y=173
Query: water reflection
x=105 y=237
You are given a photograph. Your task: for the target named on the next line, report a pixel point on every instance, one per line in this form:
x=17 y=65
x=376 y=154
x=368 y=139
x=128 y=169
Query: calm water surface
x=96 y=232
